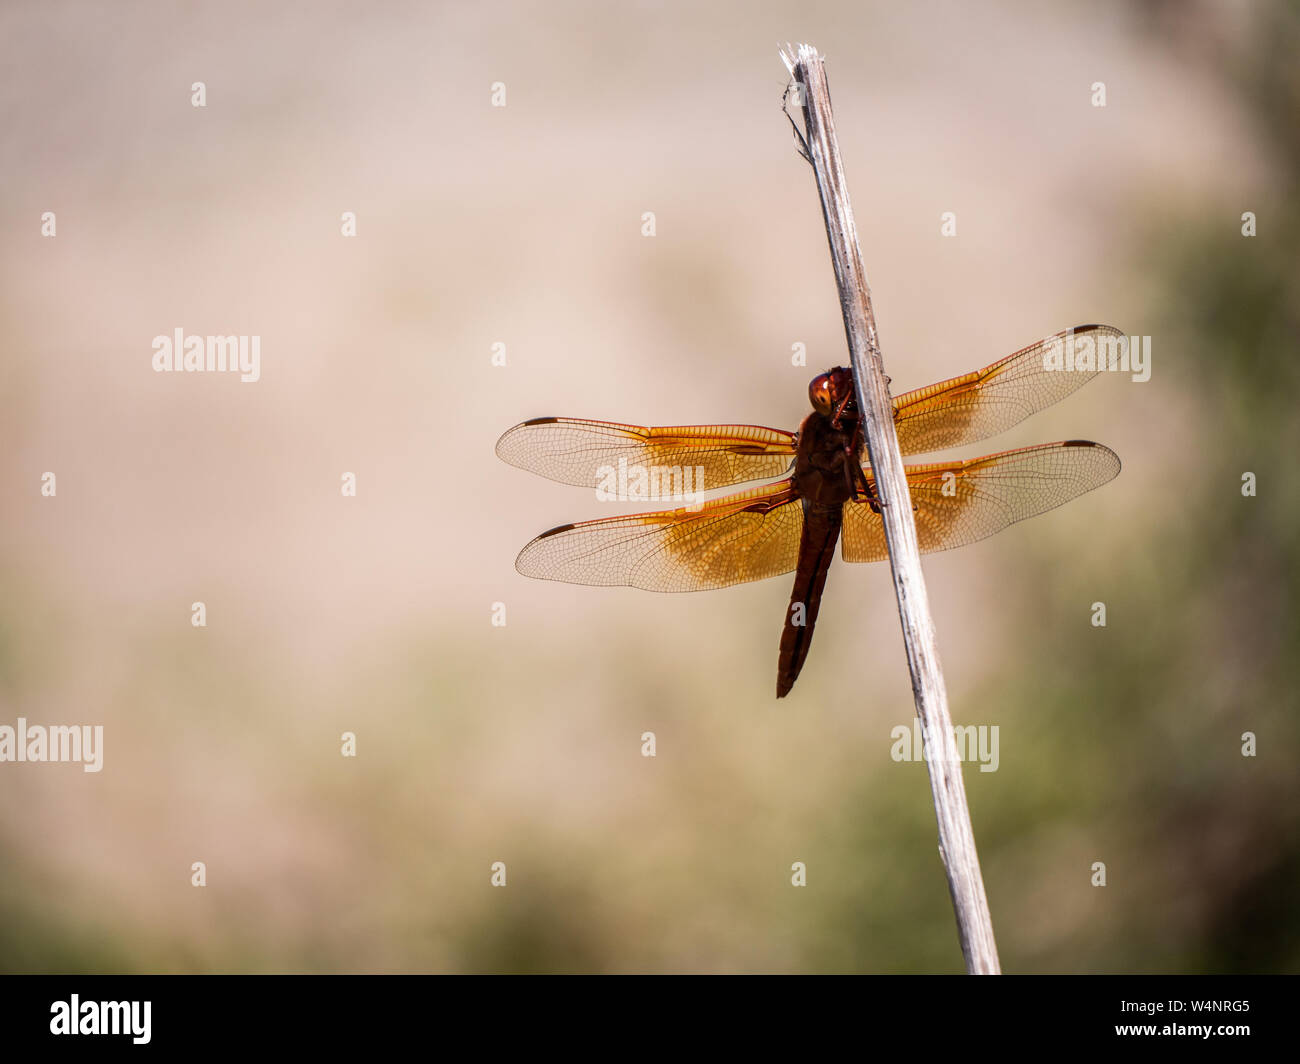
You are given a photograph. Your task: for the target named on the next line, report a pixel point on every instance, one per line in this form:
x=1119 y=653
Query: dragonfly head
x=831 y=394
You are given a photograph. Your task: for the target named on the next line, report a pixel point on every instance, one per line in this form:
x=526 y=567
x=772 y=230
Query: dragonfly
x=826 y=491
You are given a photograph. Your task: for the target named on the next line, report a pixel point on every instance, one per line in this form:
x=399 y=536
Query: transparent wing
x=573 y=451
x=988 y=401
x=956 y=503
x=743 y=537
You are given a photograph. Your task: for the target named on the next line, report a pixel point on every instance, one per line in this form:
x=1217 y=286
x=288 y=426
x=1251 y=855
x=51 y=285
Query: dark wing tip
x=1097 y=447
x=515 y=428
x=522 y=565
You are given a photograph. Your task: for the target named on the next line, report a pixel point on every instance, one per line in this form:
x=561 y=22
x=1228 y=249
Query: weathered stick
x=956 y=840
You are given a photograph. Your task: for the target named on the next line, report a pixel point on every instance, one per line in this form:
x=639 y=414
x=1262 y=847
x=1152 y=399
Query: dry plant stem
x=956 y=839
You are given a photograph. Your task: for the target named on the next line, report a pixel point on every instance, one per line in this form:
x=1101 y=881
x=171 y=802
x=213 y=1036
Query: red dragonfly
x=827 y=491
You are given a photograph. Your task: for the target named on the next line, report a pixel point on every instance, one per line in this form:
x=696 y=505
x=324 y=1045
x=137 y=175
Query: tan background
x=522 y=225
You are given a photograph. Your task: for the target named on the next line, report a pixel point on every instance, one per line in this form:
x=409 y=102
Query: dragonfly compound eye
x=819 y=394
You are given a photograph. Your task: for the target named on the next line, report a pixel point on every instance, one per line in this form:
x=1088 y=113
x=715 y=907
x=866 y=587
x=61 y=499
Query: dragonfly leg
x=843 y=405
x=869 y=491
x=856 y=478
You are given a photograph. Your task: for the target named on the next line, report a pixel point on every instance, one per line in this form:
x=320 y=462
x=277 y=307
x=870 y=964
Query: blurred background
x=522 y=225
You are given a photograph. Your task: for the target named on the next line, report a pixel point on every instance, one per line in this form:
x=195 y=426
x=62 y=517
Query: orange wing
x=990 y=400
x=748 y=536
x=959 y=502
x=574 y=451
